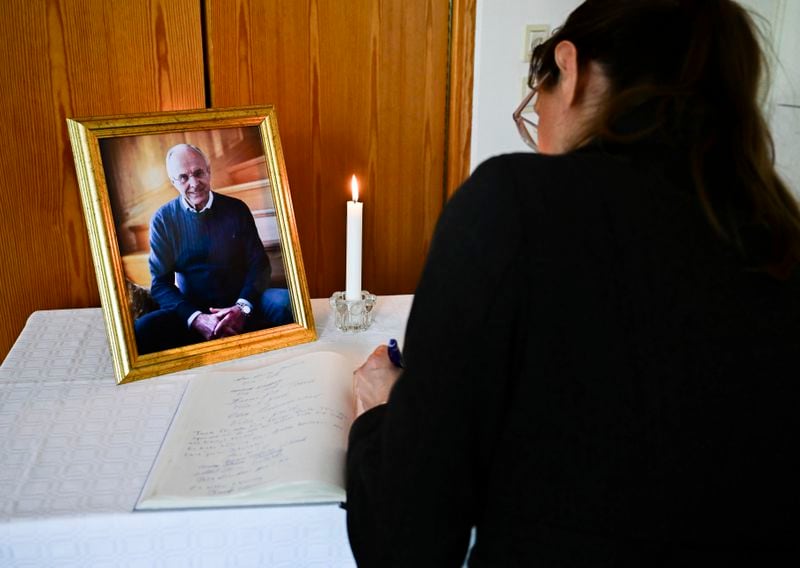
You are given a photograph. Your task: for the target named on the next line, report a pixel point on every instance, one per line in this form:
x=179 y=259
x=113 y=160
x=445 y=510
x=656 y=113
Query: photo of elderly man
x=210 y=273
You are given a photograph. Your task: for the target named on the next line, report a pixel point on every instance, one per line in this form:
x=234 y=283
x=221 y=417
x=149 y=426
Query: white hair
x=185 y=146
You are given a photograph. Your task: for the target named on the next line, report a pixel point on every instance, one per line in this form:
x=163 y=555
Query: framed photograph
x=193 y=237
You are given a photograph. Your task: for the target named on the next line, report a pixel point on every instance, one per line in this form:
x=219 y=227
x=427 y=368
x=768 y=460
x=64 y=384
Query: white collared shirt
x=206 y=208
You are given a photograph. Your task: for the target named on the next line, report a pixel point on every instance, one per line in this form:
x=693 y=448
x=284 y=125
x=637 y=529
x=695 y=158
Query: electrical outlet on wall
x=534 y=35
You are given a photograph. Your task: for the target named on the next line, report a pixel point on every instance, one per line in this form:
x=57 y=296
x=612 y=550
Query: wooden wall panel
x=64 y=58
x=360 y=87
x=462 y=66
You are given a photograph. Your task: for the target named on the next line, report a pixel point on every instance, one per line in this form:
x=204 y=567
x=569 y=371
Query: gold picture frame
x=122 y=164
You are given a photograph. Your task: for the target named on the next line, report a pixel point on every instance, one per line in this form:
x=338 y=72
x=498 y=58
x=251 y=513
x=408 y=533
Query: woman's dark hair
x=698 y=65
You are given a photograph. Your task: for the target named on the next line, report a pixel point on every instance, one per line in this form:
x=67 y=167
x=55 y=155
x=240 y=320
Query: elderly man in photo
x=210 y=274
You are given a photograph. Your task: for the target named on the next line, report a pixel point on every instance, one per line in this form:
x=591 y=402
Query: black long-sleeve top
x=217 y=256
x=593 y=378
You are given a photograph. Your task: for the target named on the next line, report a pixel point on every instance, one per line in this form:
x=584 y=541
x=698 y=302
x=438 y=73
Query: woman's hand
x=373 y=380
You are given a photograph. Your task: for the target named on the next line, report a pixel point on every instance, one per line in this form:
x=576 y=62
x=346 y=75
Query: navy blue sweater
x=216 y=255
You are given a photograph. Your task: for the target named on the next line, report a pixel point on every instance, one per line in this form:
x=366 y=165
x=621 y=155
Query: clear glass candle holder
x=353 y=315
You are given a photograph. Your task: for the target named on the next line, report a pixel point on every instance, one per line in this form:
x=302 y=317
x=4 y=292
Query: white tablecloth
x=75 y=450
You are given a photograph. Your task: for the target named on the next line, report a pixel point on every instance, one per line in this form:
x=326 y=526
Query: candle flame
x=354 y=187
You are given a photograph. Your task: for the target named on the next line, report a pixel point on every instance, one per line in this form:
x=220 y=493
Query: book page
x=239 y=437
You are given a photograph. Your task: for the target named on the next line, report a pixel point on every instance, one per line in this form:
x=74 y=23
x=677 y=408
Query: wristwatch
x=245 y=307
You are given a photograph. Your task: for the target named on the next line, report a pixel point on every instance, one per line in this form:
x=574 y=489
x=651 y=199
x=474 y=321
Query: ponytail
x=700 y=65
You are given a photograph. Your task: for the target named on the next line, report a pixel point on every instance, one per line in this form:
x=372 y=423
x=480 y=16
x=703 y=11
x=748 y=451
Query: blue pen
x=394 y=354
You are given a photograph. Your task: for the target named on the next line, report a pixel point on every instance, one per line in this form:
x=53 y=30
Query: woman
x=600 y=358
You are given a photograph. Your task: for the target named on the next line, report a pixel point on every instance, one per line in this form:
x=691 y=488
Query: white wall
x=500 y=69
x=785 y=103
x=780 y=22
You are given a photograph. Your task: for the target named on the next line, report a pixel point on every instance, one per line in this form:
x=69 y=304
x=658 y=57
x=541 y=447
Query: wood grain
x=67 y=59
x=360 y=87
x=462 y=65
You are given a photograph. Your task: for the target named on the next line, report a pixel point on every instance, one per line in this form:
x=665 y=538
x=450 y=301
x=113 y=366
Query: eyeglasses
x=198 y=174
x=528 y=127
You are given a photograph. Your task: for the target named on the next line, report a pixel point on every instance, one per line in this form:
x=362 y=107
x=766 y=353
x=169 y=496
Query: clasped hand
x=373 y=381
x=221 y=322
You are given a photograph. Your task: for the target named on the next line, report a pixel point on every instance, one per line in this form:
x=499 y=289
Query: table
x=75 y=450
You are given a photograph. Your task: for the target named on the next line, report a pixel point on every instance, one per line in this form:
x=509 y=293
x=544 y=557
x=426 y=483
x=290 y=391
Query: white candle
x=353 y=266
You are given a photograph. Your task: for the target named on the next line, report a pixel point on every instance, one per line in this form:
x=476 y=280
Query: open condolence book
x=273 y=435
